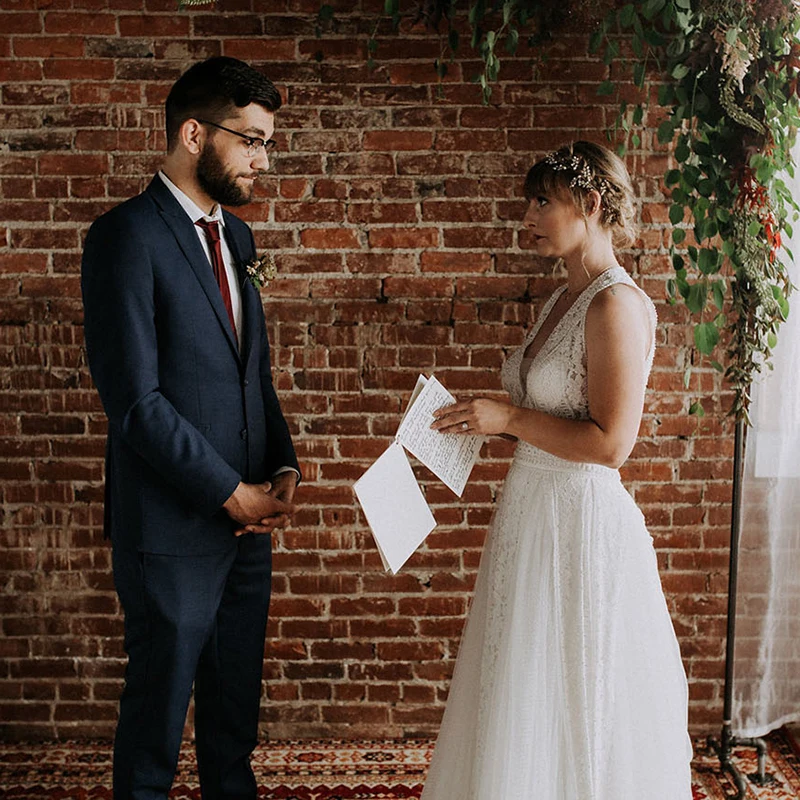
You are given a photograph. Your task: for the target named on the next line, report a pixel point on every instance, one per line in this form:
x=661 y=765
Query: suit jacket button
x=243 y=433
x=246 y=382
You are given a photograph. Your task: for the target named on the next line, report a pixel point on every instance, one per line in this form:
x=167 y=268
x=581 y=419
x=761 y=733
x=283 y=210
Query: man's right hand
x=256 y=510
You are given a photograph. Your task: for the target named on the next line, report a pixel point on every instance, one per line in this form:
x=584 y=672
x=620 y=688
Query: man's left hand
x=283 y=488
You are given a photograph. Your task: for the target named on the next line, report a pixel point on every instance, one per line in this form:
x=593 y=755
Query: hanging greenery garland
x=495 y=26
x=729 y=79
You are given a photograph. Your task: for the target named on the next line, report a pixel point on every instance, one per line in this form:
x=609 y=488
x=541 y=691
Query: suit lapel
x=186 y=235
x=250 y=298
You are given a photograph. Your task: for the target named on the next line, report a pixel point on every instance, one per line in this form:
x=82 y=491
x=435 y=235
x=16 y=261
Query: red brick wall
x=394 y=211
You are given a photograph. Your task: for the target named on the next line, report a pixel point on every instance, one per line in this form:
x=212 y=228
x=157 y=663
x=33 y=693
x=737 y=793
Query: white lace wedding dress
x=569 y=683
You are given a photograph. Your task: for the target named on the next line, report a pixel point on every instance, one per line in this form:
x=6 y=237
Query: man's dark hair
x=212 y=89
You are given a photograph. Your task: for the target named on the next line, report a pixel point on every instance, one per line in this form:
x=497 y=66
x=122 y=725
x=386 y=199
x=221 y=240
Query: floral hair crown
x=582 y=177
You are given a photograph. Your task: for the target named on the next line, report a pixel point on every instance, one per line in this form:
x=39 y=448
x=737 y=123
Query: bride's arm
x=617 y=339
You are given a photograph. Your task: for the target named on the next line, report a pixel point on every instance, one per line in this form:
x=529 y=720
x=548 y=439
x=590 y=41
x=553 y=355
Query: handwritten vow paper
x=449 y=456
x=388 y=491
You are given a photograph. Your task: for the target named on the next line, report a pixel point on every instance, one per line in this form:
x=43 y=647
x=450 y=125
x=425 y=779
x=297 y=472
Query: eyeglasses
x=254 y=143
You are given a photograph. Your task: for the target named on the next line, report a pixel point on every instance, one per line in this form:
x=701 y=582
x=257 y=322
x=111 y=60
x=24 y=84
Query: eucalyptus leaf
x=665 y=94
x=512 y=41
x=781 y=300
x=708 y=261
x=666 y=130
x=718 y=291
x=680 y=71
x=626 y=15
x=678 y=235
x=706 y=187
x=654 y=38
x=651 y=7
x=696 y=301
x=453 y=39
x=595 y=40
x=696 y=409
x=706 y=337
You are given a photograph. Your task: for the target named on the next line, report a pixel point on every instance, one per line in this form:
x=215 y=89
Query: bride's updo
x=578 y=168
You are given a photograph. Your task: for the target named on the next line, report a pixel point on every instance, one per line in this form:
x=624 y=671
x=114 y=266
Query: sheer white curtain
x=767 y=653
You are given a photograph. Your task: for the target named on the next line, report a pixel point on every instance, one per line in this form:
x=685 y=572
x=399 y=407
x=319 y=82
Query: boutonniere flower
x=261 y=270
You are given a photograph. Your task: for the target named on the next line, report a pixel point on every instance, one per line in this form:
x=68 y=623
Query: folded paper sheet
x=449 y=456
x=388 y=492
x=394 y=506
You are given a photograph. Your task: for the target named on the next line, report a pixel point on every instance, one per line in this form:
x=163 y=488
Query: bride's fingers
x=452 y=424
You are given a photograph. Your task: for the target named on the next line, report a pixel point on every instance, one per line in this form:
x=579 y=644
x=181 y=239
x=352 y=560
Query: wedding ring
x=464 y=426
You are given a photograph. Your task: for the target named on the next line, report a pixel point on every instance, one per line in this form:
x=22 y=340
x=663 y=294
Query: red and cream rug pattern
x=331 y=770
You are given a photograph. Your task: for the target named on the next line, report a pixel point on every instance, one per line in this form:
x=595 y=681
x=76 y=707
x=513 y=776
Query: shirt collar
x=194 y=211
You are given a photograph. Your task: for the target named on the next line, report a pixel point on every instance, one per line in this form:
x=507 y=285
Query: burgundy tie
x=211 y=227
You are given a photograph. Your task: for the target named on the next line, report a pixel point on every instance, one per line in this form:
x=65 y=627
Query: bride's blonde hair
x=579 y=168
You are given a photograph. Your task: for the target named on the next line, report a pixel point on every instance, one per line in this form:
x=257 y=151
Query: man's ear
x=191 y=136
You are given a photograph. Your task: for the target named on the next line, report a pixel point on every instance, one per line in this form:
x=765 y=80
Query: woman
x=569 y=683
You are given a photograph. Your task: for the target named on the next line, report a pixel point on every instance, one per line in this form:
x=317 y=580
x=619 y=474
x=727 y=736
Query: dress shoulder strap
x=609 y=278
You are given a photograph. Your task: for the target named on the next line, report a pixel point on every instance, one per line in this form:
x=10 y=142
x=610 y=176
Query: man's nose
x=260 y=159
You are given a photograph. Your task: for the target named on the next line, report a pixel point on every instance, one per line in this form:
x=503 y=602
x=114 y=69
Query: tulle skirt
x=569 y=683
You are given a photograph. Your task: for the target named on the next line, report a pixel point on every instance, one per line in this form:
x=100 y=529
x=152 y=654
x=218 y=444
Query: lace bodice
x=556 y=382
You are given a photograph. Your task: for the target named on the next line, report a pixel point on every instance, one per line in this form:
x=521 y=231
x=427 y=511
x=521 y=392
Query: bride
x=569 y=683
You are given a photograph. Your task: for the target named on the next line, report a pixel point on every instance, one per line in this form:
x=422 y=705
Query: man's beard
x=218 y=184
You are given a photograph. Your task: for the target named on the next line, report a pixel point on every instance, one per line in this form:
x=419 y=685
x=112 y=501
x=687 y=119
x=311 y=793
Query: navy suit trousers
x=191 y=619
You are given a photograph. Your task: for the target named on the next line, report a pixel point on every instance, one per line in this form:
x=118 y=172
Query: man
x=200 y=466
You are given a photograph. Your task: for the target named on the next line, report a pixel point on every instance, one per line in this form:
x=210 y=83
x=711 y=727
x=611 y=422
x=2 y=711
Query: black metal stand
x=724 y=747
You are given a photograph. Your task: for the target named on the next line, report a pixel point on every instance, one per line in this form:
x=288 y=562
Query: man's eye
x=542 y=201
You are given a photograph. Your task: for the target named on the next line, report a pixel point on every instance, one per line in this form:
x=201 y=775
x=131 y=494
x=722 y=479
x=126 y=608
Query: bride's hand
x=479 y=416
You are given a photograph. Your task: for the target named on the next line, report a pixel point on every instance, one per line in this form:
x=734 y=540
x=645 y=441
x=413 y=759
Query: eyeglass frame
x=255 y=142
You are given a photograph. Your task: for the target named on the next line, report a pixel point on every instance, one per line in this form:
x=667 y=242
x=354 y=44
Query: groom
x=200 y=467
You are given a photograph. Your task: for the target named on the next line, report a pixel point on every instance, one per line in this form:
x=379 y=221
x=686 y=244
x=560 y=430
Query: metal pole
x=728 y=741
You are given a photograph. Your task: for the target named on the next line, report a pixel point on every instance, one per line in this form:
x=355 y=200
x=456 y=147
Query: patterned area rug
x=331 y=770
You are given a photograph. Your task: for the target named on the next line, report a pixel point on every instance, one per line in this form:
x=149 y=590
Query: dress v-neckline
x=553 y=300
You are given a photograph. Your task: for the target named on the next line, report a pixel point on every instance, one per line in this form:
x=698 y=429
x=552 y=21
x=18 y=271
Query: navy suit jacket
x=189 y=414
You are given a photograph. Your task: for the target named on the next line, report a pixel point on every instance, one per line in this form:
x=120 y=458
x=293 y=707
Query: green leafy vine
x=494 y=25
x=728 y=72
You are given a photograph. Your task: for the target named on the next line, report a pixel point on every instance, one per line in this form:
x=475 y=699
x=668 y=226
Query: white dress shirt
x=195 y=213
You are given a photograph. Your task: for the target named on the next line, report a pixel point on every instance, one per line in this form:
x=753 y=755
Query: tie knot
x=211 y=227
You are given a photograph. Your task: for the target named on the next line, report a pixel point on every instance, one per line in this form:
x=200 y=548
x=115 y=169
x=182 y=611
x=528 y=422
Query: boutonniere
x=261 y=270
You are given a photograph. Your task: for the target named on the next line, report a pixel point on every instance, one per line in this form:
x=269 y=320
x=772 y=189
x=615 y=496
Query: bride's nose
x=529 y=220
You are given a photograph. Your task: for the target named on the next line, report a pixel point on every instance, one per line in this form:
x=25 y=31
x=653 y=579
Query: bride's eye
x=542 y=201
